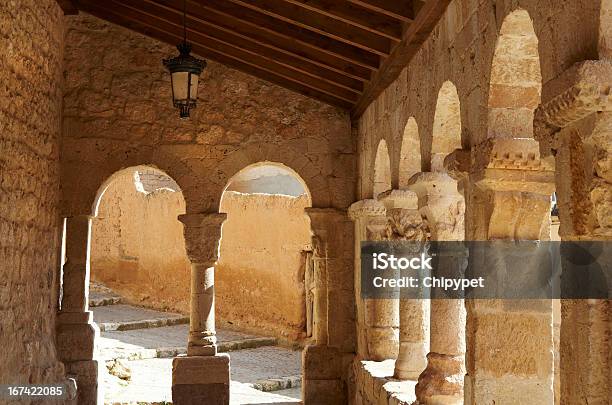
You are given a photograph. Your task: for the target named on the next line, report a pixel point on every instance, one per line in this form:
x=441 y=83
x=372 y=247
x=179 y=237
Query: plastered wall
x=138 y=247
x=260 y=273
x=31 y=46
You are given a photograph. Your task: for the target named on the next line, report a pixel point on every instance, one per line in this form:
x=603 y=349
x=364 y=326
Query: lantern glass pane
x=179 y=85
x=193 y=94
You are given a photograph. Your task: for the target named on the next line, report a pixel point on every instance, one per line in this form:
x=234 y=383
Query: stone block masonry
x=31 y=52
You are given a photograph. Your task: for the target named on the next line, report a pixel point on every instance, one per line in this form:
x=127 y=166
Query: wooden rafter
x=342 y=52
x=417 y=33
x=355 y=15
x=400 y=9
x=321 y=24
x=68 y=7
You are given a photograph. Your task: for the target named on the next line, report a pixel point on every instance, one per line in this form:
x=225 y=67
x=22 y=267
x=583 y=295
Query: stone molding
x=585 y=89
x=321 y=217
x=366 y=208
x=202 y=232
x=512 y=164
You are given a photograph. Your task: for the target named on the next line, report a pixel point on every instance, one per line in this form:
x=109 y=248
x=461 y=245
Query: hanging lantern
x=185 y=72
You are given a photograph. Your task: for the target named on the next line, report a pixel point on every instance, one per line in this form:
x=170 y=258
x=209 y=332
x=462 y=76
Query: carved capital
x=512 y=164
x=320 y=218
x=406 y=199
x=366 y=208
x=440 y=204
x=457 y=163
x=202 y=232
x=582 y=90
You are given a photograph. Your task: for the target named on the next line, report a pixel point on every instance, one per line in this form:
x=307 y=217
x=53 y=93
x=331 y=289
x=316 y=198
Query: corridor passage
x=138 y=344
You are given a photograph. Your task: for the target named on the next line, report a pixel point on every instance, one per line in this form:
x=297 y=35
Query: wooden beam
x=416 y=35
x=172 y=34
x=233 y=38
x=399 y=9
x=294 y=33
x=321 y=24
x=355 y=15
x=268 y=38
x=69 y=7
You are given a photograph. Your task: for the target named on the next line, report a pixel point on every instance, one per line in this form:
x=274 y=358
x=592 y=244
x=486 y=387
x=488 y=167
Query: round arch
x=382 y=169
x=516 y=79
x=410 y=153
x=169 y=182
x=446 y=134
x=268 y=177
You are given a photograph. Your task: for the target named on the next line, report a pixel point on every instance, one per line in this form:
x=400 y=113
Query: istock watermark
x=489 y=269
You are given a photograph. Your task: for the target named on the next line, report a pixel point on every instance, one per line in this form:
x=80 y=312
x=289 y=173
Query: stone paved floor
x=151 y=380
x=151 y=377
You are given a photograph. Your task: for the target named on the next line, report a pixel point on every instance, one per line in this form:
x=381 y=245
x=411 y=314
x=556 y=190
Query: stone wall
x=118 y=113
x=32 y=41
x=138 y=248
x=260 y=274
x=461 y=50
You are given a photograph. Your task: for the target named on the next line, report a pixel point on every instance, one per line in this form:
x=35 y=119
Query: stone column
x=76 y=332
x=443 y=207
x=377 y=319
x=510 y=342
x=575 y=122
x=405 y=223
x=203 y=376
x=325 y=364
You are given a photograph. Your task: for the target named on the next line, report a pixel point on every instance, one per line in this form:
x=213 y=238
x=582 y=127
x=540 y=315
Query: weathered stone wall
x=137 y=245
x=31 y=44
x=461 y=50
x=496 y=100
x=260 y=273
x=118 y=113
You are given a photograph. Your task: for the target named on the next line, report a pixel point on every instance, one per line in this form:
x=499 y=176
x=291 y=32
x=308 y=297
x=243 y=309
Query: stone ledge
x=142 y=324
x=375 y=384
x=277 y=384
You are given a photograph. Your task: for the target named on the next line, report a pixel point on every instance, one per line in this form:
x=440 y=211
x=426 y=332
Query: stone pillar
x=405 y=223
x=203 y=376
x=76 y=332
x=575 y=123
x=510 y=342
x=443 y=207
x=326 y=363
x=377 y=319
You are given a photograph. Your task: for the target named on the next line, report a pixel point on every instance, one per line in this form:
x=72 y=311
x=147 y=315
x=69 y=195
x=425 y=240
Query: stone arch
x=382 y=169
x=265 y=244
x=516 y=79
x=252 y=179
x=164 y=180
x=410 y=153
x=313 y=177
x=446 y=134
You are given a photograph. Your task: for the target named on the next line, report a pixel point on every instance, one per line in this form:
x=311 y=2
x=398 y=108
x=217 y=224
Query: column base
x=411 y=360
x=441 y=383
x=76 y=336
x=201 y=380
x=89 y=375
x=322 y=382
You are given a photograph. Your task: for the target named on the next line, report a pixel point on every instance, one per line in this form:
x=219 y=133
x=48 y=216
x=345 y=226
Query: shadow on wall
x=261 y=269
x=138 y=246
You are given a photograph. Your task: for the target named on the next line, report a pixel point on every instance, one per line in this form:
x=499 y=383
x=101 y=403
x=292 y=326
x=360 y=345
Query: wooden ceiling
x=342 y=52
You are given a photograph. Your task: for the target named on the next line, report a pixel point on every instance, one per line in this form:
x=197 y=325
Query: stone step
x=278 y=384
x=122 y=317
x=138 y=353
x=142 y=324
